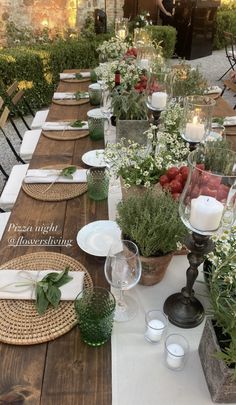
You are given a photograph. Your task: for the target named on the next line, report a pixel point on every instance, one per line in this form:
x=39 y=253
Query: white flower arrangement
x=225 y=247
x=114 y=48
x=129 y=72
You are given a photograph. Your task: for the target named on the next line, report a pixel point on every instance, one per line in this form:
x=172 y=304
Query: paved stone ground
x=212 y=66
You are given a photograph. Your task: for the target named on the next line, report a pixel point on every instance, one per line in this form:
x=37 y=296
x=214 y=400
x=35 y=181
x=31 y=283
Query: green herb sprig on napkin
x=78 y=76
x=48 y=290
x=68 y=171
x=77 y=124
x=81 y=94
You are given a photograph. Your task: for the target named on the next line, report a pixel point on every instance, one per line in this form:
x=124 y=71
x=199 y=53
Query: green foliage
x=152 y=221
x=225 y=21
x=164 y=34
x=48 y=290
x=129 y=105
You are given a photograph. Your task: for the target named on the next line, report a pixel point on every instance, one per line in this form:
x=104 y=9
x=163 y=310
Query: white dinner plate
x=97 y=237
x=94 y=158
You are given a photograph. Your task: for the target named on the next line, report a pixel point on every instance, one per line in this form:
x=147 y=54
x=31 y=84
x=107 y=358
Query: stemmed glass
x=123 y=271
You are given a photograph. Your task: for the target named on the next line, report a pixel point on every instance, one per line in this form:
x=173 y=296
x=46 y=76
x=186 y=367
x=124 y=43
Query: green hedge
x=37 y=68
x=166 y=35
x=225 y=21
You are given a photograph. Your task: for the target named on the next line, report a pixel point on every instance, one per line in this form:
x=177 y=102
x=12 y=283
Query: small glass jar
x=95 y=94
x=156 y=324
x=96 y=124
x=176 y=351
x=98 y=183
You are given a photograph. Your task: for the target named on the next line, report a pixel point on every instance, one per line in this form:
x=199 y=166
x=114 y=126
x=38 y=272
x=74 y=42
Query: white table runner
x=139 y=375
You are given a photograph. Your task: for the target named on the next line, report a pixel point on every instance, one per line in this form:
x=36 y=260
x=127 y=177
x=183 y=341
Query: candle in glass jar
x=144 y=64
x=154 y=330
x=159 y=100
x=175 y=355
x=194 y=131
x=121 y=33
x=206 y=213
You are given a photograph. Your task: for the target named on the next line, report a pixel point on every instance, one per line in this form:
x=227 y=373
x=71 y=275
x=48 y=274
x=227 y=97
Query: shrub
x=167 y=36
x=225 y=21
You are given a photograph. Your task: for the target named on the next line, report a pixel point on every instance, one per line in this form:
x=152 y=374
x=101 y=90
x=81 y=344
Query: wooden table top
x=64 y=371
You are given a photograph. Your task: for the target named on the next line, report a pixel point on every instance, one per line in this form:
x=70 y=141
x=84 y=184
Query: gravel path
x=212 y=66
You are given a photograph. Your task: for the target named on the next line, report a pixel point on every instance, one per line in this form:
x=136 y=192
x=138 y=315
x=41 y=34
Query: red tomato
x=172 y=173
x=195 y=191
x=222 y=192
x=164 y=180
x=205 y=190
x=184 y=172
x=205 y=178
x=214 y=182
x=179 y=178
x=200 y=166
x=175 y=187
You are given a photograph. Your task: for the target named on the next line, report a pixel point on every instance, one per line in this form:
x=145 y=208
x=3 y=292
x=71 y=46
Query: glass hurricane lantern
x=206 y=204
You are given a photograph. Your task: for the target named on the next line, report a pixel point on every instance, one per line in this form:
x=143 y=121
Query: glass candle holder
x=95 y=309
x=141 y=37
x=95 y=94
x=208 y=199
x=157 y=91
x=98 y=183
x=156 y=324
x=197 y=117
x=96 y=124
x=121 y=28
x=176 y=351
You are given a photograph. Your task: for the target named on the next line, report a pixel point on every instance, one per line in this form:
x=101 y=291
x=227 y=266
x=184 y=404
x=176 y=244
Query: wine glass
x=123 y=271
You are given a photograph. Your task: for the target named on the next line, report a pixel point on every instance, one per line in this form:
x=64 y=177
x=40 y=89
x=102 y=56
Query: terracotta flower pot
x=134 y=191
x=154 y=268
x=218 y=375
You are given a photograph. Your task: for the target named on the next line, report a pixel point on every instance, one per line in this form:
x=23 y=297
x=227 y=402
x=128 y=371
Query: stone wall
x=59 y=14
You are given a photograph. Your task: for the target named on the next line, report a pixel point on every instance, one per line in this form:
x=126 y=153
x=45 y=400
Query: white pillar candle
x=194 y=131
x=144 y=64
x=154 y=330
x=206 y=213
x=175 y=355
x=159 y=100
x=121 y=33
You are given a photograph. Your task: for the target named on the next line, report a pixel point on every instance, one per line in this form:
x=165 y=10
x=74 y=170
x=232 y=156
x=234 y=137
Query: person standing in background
x=166 y=9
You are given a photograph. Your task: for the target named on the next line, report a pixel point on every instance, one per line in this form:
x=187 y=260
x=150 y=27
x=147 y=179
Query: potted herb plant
x=152 y=221
x=129 y=108
x=217 y=347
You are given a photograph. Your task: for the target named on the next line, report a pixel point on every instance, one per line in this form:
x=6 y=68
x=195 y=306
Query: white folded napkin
x=52 y=175
x=73 y=75
x=213 y=90
x=230 y=121
x=69 y=96
x=18 y=291
x=62 y=126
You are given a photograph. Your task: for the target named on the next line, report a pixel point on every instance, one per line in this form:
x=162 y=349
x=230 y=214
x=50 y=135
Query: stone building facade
x=55 y=14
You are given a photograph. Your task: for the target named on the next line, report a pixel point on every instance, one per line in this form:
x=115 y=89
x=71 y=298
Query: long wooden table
x=64 y=371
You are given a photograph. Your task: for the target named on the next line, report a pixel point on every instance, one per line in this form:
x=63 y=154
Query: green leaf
x=68 y=172
x=77 y=124
x=78 y=76
x=93 y=77
x=53 y=295
x=41 y=300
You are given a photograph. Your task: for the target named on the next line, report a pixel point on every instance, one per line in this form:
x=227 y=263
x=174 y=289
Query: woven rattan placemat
x=66 y=135
x=20 y=323
x=71 y=102
x=57 y=192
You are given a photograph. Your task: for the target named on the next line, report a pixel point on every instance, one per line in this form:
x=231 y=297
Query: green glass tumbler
x=95 y=308
x=95 y=94
x=98 y=183
x=96 y=124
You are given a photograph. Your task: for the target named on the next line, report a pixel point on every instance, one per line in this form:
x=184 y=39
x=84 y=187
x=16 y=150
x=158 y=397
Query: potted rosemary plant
x=152 y=221
x=217 y=347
